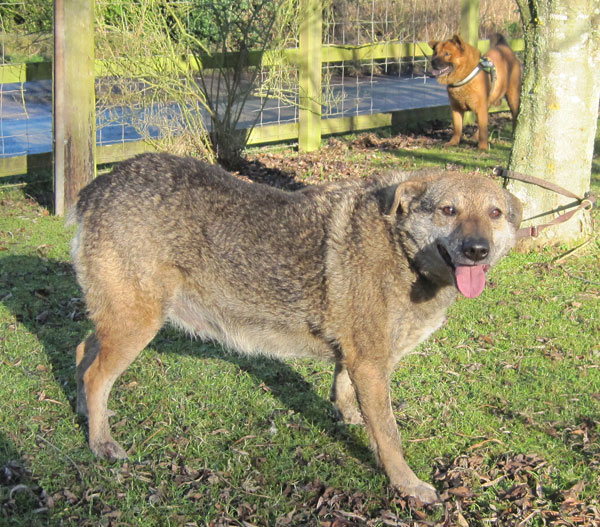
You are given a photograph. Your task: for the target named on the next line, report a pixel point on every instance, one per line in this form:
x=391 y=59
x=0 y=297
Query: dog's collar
x=484 y=64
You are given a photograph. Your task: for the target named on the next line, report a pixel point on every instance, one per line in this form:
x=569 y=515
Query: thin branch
x=39 y=437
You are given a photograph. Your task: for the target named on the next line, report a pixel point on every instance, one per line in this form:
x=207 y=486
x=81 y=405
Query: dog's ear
x=515 y=209
x=432 y=44
x=459 y=42
x=404 y=194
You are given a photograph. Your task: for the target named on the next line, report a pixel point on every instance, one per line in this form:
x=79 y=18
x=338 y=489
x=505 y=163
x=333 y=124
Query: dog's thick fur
x=454 y=59
x=358 y=272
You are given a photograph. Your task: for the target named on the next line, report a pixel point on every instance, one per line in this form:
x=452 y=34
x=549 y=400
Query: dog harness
x=484 y=64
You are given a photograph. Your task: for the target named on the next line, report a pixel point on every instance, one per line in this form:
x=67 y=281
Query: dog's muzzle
x=439 y=68
x=469 y=278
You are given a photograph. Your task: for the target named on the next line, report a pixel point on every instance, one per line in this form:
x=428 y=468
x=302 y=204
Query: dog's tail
x=73 y=216
x=498 y=40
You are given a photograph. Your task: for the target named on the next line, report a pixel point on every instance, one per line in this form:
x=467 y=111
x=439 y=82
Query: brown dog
x=358 y=272
x=470 y=86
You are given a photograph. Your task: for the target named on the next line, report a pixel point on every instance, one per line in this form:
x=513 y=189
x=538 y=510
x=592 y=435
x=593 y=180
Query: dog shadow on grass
x=42 y=295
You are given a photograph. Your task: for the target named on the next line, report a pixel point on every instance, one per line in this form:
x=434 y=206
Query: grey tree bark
x=556 y=127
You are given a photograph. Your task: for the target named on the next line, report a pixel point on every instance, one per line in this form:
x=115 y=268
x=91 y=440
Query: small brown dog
x=470 y=87
x=358 y=272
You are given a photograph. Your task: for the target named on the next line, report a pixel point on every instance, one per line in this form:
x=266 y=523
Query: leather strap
x=586 y=202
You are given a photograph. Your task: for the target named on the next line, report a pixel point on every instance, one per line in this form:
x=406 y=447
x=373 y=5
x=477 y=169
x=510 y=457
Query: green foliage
x=26 y=31
x=31 y=16
x=231 y=25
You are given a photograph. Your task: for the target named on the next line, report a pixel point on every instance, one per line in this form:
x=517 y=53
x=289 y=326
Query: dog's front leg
x=343 y=396
x=371 y=382
x=457 y=124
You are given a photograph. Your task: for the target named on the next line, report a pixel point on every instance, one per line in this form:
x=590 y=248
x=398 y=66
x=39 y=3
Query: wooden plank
x=79 y=112
x=410 y=120
x=121 y=151
x=355 y=123
x=21 y=165
x=469 y=21
x=274 y=133
x=376 y=51
x=309 y=127
x=27 y=72
x=58 y=107
x=10 y=73
x=289 y=131
x=17 y=73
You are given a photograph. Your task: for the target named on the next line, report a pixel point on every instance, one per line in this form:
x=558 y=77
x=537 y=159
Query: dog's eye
x=449 y=210
x=495 y=213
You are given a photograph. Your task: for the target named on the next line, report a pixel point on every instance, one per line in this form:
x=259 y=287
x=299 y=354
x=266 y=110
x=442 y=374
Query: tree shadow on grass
x=464 y=156
x=43 y=295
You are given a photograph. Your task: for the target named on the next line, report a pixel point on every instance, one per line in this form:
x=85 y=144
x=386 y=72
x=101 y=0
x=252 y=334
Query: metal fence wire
x=25 y=107
x=131 y=106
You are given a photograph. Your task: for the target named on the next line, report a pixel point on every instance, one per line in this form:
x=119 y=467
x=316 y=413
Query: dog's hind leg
x=123 y=329
x=84 y=356
x=371 y=382
x=512 y=98
x=343 y=396
x=482 y=128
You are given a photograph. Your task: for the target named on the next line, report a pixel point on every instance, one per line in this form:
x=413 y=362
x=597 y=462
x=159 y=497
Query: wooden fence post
x=74 y=100
x=469 y=21
x=58 y=105
x=310 y=56
x=469 y=31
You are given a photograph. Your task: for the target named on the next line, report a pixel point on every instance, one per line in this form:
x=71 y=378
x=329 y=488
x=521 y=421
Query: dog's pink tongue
x=470 y=279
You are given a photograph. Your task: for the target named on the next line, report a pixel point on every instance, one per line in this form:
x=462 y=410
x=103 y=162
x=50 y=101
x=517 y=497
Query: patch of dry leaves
x=510 y=490
x=336 y=160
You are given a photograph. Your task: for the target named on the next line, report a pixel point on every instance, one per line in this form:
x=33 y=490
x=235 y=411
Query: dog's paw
x=422 y=491
x=110 y=450
x=354 y=419
x=452 y=142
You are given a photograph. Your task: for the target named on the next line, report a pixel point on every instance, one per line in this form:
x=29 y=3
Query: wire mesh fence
x=132 y=105
x=25 y=103
x=372 y=85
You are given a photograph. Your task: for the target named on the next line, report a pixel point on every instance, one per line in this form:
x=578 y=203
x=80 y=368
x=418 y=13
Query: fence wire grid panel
x=367 y=86
x=373 y=86
x=141 y=94
x=25 y=107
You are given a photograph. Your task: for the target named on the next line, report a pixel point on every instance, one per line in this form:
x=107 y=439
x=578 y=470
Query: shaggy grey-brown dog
x=358 y=272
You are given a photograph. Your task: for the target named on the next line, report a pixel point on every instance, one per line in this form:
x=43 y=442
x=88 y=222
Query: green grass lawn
x=500 y=409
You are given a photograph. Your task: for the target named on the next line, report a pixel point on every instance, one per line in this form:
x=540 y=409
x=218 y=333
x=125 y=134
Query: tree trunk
x=556 y=127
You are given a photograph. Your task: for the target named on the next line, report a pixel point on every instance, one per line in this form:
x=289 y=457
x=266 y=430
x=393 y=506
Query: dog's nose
x=476 y=248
